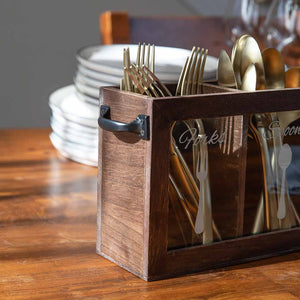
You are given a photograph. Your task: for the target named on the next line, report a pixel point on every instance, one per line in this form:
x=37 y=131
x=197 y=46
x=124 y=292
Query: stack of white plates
x=75 y=108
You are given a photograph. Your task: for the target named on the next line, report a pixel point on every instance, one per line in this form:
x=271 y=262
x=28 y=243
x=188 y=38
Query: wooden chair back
x=184 y=32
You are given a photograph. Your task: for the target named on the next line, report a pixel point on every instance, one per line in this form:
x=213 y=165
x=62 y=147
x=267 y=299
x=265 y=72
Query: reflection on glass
x=276 y=210
x=245 y=17
x=281 y=23
x=252 y=188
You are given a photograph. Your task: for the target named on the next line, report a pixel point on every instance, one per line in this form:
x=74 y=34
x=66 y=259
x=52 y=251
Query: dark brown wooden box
x=133 y=203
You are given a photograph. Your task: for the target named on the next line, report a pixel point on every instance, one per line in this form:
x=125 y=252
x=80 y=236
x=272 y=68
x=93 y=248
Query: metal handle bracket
x=140 y=126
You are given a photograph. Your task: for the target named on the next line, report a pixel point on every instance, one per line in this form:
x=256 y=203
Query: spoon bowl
x=274 y=69
x=252 y=55
x=285 y=156
x=249 y=79
x=236 y=56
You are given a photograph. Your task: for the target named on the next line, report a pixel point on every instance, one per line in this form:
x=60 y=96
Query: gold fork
x=142 y=58
x=146 y=82
x=125 y=81
x=226 y=78
x=190 y=82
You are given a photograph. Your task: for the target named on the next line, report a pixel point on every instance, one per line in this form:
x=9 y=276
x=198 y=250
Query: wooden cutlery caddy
x=136 y=226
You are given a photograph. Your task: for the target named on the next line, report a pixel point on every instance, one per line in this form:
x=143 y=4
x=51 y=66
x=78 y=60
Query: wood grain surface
x=48 y=239
x=122 y=185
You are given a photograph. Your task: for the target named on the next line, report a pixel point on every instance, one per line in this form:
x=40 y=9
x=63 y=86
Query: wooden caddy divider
x=133 y=201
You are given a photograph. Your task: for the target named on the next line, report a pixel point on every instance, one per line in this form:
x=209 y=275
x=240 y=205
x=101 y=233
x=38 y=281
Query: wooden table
x=48 y=237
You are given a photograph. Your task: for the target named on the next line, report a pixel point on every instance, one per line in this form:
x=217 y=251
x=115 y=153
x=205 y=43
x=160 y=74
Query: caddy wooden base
x=133 y=202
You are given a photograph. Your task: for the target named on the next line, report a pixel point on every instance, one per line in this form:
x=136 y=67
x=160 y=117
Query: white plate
x=65 y=123
x=75 y=119
x=109 y=59
x=99 y=77
x=91 y=82
x=115 y=80
x=76 y=137
x=88 y=99
x=88 y=156
x=86 y=89
x=66 y=103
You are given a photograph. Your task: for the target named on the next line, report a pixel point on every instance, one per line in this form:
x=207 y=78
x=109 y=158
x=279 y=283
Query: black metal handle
x=140 y=125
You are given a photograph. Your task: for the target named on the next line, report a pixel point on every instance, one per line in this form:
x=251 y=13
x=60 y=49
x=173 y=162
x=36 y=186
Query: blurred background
x=39 y=40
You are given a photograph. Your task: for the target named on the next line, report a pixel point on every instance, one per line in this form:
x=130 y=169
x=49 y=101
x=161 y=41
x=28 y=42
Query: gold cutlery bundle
x=250 y=70
x=189 y=182
x=192 y=188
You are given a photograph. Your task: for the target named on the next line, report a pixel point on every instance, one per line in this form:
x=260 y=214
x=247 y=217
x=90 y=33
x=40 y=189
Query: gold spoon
x=249 y=84
x=275 y=79
x=251 y=55
x=236 y=56
x=274 y=69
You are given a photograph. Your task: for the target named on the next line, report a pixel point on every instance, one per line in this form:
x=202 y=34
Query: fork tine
x=136 y=83
x=202 y=72
x=157 y=88
x=179 y=85
x=197 y=72
x=148 y=56
x=142 y=81
x=145 y=76
x=143 y=55
x=154 y=85
x=153 y=59
x=158 y=82
x=186 y=74
x=122 y=85
x=127 y=65
x=138 y=61
x=138 y=55
x=191 y=73
x=142 y=89
x=125 y=73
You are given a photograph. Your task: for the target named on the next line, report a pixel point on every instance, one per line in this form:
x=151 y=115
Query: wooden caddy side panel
x=133 y=183
x=122 y=184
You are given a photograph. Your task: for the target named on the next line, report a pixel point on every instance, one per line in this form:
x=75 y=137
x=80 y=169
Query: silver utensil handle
x=281 y=207
x=199 y=224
